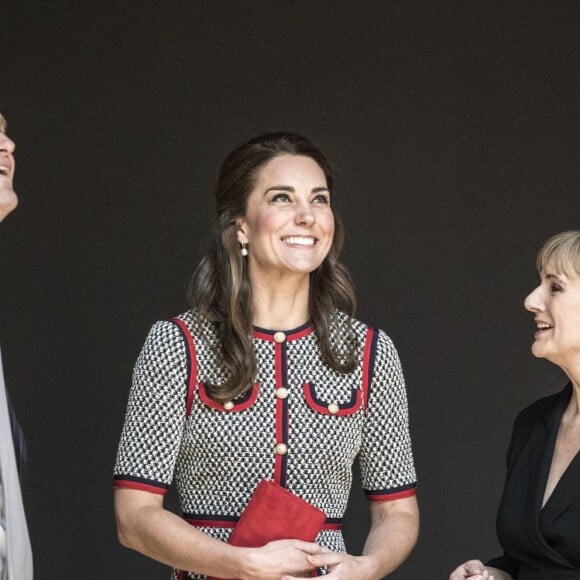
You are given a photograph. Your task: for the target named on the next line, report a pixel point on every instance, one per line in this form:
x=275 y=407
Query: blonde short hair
x=561 y=253
x=2 y=123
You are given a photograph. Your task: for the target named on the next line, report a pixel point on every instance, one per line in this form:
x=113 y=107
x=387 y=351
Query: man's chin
x=8 y=202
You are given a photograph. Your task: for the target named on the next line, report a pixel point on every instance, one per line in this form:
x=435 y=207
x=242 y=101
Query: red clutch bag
x=274 y=513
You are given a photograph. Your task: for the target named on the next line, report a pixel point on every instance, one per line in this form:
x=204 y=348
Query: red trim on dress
x=332 y=526
x=279 y=411
x=366 y=364
x=323 y=409
x=392 y=496
x=269 y=336
x=262 y=335
x=219 y=406
x=232 y=524
x=300 y=334
x=193 y=365
x=211 y=523
x=128 y=484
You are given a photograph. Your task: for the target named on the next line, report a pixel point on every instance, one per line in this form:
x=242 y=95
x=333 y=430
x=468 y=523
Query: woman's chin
x=538 y=350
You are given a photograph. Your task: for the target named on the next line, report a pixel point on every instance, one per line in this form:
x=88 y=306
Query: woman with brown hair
x=267 y=378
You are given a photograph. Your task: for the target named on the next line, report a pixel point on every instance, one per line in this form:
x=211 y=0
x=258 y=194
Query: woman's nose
x=533 y=301
x=304 y=216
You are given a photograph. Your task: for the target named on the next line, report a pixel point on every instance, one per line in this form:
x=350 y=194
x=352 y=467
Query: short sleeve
x=386 y=456
x=155 y=416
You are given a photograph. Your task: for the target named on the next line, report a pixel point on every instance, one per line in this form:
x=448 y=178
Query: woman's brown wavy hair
x=220 y=288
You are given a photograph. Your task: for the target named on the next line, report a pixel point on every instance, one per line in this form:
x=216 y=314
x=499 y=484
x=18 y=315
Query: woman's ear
x=241 y=231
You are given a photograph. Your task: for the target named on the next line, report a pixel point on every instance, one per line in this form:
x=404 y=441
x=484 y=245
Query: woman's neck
x=281 y=304
x=576 y=394
x=573 y=372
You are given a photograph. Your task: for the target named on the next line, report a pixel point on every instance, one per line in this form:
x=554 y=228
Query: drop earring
x=244 y=249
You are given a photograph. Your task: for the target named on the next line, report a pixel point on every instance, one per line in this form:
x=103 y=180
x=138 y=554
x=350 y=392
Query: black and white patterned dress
x=301 y=425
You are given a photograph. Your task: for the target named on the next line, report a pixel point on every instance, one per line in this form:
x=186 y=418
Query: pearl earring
x=244 y=249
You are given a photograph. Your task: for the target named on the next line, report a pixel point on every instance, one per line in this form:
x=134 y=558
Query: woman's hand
x=144 y=525
x=393 y=533
x=342 y=566
x=279 y=558
x=477 y=570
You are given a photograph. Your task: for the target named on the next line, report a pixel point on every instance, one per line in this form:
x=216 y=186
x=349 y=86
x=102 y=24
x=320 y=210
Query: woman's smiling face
x=556 y=306
x=288 y=224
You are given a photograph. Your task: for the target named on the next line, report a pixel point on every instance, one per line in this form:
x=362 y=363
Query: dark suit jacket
x=539 y=543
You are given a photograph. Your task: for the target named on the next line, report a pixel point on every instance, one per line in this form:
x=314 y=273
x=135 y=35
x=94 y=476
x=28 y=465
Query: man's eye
x=555 y=288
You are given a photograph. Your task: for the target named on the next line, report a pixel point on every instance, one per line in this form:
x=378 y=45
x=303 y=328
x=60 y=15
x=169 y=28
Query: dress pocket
x=327 y=402
x=241 y=403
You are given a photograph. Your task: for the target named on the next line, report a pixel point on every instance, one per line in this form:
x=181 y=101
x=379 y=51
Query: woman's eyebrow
x=280 y=188
x=291 y=189
x=555 y=277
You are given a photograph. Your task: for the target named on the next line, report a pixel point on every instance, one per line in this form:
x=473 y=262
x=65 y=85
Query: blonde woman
x=538 y=522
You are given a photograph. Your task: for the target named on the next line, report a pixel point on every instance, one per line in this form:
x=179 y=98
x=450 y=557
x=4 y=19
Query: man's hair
x=3 y=123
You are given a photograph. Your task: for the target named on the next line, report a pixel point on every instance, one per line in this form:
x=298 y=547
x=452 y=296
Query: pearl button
x=228 y=405
x=281 y=449
x=279 y=336
x=281 y=392
x=333 y=408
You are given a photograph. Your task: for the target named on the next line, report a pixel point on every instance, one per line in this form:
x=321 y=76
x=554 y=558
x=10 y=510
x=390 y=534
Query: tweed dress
x=301 y=424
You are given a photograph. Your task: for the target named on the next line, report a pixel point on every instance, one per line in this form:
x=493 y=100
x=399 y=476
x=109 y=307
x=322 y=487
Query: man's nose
x=6 y=145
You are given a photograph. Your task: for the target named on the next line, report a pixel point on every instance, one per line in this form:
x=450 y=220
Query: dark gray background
x=454 y=126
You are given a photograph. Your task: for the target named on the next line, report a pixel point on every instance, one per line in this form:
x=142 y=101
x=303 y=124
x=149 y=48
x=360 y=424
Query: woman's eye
x=321 y=199
x=555 y=288
x=281 y=197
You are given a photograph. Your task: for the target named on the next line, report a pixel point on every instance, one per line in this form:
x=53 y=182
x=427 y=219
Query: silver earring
x=244 y=249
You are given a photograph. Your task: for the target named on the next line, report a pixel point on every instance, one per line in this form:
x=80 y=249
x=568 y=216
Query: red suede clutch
x=274 y=513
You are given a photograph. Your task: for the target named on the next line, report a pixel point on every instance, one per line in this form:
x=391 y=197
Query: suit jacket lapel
x=541 y=458
x=567 y=491
x=542 y=452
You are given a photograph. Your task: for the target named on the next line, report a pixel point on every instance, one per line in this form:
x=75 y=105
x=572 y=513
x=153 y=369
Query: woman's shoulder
x=340 y=318
x=368 y=337
x=174 y=330
x=198 y=324
x=364 y=329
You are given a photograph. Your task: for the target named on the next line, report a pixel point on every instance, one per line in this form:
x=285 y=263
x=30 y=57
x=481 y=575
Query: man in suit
x=15 y=551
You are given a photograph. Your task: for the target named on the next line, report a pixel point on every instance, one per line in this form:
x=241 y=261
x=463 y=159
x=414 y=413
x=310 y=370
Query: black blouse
x=539 y=543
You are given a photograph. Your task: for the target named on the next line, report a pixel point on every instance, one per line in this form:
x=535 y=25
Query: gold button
x=281 y=449
x=281 y=392
x=228 y=405
x=279 y=336
x=333 y=408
